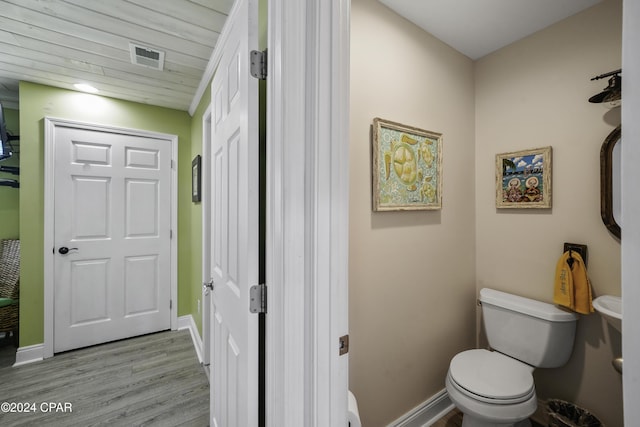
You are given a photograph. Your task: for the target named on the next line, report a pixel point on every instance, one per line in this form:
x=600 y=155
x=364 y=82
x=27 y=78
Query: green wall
x=9 y=196
x=37 y=102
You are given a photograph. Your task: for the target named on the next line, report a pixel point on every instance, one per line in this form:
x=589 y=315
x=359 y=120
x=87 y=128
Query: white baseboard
x=427 y=413
x=29 y=354
x=187 y=322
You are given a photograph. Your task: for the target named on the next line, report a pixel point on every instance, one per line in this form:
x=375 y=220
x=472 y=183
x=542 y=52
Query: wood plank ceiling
x=63 y=42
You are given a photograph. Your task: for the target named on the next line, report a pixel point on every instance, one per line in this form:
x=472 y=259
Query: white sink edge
x=610 y=307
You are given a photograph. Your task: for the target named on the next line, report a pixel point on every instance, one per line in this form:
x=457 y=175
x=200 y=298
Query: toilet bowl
x=496 y=388
x=491 y=389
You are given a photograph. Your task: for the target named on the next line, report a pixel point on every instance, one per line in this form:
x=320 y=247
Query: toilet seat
x=491 y=377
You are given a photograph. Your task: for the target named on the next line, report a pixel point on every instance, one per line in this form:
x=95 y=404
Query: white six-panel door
x=234 y=229
x=113 y=214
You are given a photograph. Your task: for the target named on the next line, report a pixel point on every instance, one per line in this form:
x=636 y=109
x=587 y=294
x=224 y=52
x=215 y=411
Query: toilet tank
x=531 y=331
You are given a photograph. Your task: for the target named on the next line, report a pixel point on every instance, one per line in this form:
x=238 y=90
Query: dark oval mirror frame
x=606 y=182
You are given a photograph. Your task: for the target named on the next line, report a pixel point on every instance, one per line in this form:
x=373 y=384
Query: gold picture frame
x=523 y=179
x=406 y=167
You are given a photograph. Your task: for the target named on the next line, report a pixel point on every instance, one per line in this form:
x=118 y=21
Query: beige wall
x=530 y=94
x=412 y=274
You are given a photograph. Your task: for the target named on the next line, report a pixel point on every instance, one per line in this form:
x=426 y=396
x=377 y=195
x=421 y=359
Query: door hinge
x=259 y=64
x=344 y=345
x=258 y=298
x=170 y=304
x=170 y=234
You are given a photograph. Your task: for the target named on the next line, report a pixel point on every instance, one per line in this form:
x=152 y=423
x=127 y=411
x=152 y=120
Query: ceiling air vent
x=146 y=56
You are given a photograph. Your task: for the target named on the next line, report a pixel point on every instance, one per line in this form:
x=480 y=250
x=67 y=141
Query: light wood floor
x=154 y=380
x=454 y=419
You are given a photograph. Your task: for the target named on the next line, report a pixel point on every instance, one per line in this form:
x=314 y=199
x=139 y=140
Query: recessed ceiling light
x=85 y=87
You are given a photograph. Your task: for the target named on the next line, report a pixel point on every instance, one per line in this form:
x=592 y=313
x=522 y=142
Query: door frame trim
x=206 y=232
x=50 y=124
x=307 y=212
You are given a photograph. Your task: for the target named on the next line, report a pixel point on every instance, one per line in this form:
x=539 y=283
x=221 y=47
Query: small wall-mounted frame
x=196 y=179
x=406 y=168
x=576 y=247
x=523 y=179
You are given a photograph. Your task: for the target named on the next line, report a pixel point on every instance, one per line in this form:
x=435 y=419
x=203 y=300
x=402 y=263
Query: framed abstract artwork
x=523 y=179
x=406 y=167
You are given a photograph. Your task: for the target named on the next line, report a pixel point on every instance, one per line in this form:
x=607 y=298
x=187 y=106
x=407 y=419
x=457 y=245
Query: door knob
x=65 y=250
x=207 y=287
x=617 y=364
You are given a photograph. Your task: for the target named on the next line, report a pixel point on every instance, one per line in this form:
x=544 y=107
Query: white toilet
x=495 y=388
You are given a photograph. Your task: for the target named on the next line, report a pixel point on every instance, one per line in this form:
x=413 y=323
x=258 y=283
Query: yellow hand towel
x=581 y=286
x=572 y=288
x=563 y=288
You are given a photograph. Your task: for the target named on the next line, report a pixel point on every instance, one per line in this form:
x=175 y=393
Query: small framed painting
x=196 y=179
x=407 y=167
x=523 y=179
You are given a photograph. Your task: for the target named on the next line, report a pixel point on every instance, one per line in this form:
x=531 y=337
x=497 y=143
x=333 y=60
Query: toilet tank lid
x=539 y=309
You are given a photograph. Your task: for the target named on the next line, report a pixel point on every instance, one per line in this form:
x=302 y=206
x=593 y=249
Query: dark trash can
x=566 y=414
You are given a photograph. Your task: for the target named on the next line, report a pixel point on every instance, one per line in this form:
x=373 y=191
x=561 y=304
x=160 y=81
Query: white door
x=112 y=224
x=630 y=210
x=234 y=231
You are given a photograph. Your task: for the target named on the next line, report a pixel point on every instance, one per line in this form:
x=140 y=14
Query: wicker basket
x=9 y=283
x=566 y=414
